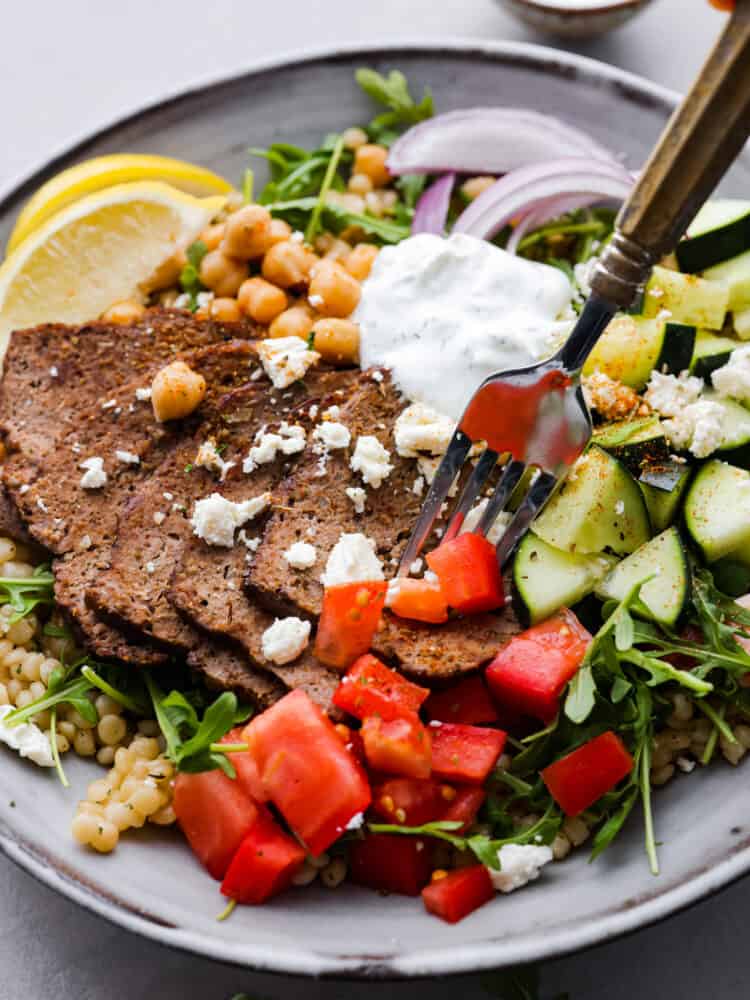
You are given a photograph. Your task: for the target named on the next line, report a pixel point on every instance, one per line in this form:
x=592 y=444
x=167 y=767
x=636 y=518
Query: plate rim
x=292 y=959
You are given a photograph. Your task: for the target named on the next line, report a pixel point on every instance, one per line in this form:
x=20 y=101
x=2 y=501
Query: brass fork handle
x=702 y=138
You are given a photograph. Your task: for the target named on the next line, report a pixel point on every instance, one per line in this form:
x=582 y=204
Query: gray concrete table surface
x=71 y=66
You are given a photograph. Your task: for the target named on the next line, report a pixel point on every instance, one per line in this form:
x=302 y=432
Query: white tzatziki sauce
x=443 y=314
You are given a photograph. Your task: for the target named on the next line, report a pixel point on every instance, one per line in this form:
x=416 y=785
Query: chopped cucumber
x=735 y=446
x=631 y=347
x=720 y=231
x=735 y=274
x=731 y=576
x=546 y=579
x=637 y=443
x=689 y=299
x=741 y=322
x=717 y=510
x=663 y=505
x=665 y=595
x=711 y=351
x=599 y=507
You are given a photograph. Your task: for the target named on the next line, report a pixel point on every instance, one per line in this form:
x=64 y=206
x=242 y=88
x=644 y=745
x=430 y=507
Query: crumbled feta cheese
x=417 y=487
x=370 y=460
x=698 y=428
x=159 y=518
x=110 y=404
x=377 y=375
x=177 y=507
x=94 y=477
x=610 y=398
x=670 y=394
x=416 y=567
x=127 y=458
x=313 y=411
x=215 y=518
x=297 y=236
x=255 y=375
x=76 y=448
x=26 y=738
x=24 y=489
x=421 y=429
x=85 y=542
x=209 y=458
x=352 y=560
x=301 y=555
x=619 y=507
x=332 y=413
x=315 y=300
x=143 y=394
x=733 y=378
x=519 y=864
x=358 y=497
x=355 y=822
x=53 y=371
x=332 y=435
x=685 y=764
x=283 y=641
x=168 y=496
x=252 y=544
x=288 y=439
x=150 y=567
x=394 y=588
x=498 y=528
x=285 y=359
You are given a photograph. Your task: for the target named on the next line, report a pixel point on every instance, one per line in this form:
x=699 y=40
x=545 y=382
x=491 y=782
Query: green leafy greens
x=190 y=281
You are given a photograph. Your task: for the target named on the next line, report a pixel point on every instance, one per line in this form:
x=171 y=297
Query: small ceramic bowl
x=574 y=18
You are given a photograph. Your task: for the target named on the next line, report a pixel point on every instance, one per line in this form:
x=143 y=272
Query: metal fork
x=535 y=418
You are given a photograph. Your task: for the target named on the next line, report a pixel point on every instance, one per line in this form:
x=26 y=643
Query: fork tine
x=508 y=481
x=474 y=485
x=447 y=471
x=539 y=493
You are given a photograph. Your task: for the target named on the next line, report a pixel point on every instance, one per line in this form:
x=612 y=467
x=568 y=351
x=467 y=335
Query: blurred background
x=71 y=67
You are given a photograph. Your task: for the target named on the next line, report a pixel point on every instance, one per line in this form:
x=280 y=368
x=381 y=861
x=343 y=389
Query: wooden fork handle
x=702 y=138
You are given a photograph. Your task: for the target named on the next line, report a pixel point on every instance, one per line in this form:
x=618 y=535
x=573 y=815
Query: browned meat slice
x=82 y=523
x=460 y=646
x=227 y=669
x=156 y=523
x=53 y=372
x=11 y=525
x=315 y=508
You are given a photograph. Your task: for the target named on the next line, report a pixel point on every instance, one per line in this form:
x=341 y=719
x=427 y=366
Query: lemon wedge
x=99 y=250
x=106 y=171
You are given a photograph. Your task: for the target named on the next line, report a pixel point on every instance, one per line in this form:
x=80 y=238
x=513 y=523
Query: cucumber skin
x=701 y=252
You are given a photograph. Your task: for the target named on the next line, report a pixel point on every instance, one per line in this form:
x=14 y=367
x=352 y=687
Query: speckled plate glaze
x=152 y=885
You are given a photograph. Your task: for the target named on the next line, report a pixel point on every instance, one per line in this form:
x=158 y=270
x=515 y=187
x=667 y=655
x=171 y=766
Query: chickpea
x=145 y=747
x=107 y=706
x=21 y=632
x=360 y=260
x=146 y=800
x=370 y=160
x=475 y=186
x=111 y=729
x=105 y=837
x=260 y=300
x=7 y=550
x=84 y=744
x=280 y=231
x=176 y=391
x=106 y=756
x=31 y=667
x=294 y=322
x=248 y=233
x=18 y=570
x=354 y=203
x=212 y=236
x=123 y=313
x=225 y=311
x=354 y=137
x=333 y=291
x=222 y=274
x=288 y=264
x=359 y=184
x=336 y=340
x=84 y=827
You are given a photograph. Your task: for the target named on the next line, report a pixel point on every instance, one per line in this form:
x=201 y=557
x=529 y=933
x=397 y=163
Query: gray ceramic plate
x=152 y=885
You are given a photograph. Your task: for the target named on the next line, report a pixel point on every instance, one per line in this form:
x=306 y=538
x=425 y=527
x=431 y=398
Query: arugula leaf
x=581 y=696
x=297 y=212
x=393 y=92
x=27 y=593
x=440 y=829
x=609 y=829
x=190 y=281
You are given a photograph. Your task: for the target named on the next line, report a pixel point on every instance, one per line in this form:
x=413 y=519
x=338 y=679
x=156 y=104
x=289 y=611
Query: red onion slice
x=523 y=189
x=489 y=141
x=431 y=211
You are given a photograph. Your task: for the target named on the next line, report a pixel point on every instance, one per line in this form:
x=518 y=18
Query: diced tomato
x=580 y=778
x=465 y=753
x=468 y=702
x=391 y=863
x=469 y=574
x=464 y=807
x=420 y=600
x=349 y=619
x=397 y=746
x=215 y=814
x=409 y=802
x=529 y=674
x=246 y=767
x=371 y=688
x=264 y=864
x=307 y=772
x=459 y=893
